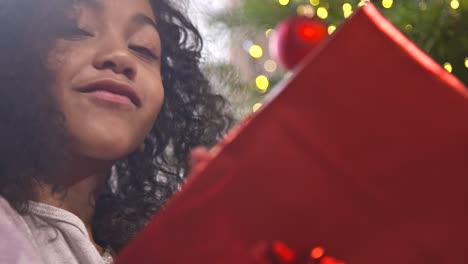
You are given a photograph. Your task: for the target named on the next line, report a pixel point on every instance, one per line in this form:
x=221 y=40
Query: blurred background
x=237 y=34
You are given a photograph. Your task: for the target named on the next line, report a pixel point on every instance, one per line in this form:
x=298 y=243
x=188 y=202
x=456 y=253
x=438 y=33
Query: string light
x=387 y=3
x=283 y=2
x=347 y=7
x=282 y=251
x=317 y=252
x=315 y=2
x=331 y=28
x=454 y=4
x=306 y=10
x=466 y=62
x=262 y=83
x=322 y=12
x=256 y=51
x=331 y=260
x=270 y=65
x=422 y=5
x=256 y=106
x=347 y=10
x=448 y=67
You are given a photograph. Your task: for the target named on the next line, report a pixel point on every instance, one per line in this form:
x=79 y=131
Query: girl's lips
x=112 y=91
x=111 y=97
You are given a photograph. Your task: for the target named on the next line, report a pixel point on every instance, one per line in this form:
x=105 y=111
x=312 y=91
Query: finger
x=197 y=155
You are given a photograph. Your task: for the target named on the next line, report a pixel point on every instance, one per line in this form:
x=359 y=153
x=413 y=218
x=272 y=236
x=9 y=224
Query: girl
x=102 y=100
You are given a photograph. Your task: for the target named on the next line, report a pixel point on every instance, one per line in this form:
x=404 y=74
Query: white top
x=45 y=233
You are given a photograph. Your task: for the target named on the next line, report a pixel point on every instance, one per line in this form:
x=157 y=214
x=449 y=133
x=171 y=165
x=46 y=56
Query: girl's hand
x=197 y=155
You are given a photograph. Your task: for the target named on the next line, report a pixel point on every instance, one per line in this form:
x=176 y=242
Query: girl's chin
x=106 y=151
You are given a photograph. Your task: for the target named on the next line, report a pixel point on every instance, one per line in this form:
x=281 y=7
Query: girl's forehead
x=132 y=7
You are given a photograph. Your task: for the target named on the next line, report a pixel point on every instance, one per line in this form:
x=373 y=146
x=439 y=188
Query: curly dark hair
x=32 y=127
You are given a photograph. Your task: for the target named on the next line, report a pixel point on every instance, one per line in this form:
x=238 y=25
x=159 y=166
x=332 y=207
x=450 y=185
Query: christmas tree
x=438 y=27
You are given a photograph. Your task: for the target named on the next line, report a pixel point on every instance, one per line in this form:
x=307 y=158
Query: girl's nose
x=116 y=58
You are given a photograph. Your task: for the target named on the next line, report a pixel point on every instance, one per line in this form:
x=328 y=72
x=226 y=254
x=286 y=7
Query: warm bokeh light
x=317 y=252
x=283 y=2
x=322 y=12
x=283 y=251
x=362 y=3
x=256 y=106
x=331 y=28
x=347 y=7
x=315 y=2
x=306 y=10
x=466 y=62
x=262 y=83
x=268 y=32
x=454 y=4
x=331 y=260
x=256 y=51
x=346 y=14
x=387 y=3
x=270 y=66
x=448 y=66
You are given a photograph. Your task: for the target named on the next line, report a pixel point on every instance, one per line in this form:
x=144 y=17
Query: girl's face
x=107 y=79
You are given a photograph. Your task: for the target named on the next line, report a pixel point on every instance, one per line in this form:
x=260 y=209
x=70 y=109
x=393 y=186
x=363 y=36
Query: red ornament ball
x=294 y=38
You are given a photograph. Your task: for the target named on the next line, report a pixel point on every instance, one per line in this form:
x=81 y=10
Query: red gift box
x=363 y=152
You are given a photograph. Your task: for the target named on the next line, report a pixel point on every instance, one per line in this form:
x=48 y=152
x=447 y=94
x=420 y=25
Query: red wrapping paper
x=363 y=151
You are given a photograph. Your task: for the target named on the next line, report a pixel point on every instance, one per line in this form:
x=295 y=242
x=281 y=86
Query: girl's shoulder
x=15 y=243
x=7 y=213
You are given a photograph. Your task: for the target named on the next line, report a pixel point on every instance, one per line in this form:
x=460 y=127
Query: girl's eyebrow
x=139 y=18
x=143 y=19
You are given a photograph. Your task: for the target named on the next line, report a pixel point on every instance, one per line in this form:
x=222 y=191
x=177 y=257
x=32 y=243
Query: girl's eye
x=145 y=52
x=77 y=33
